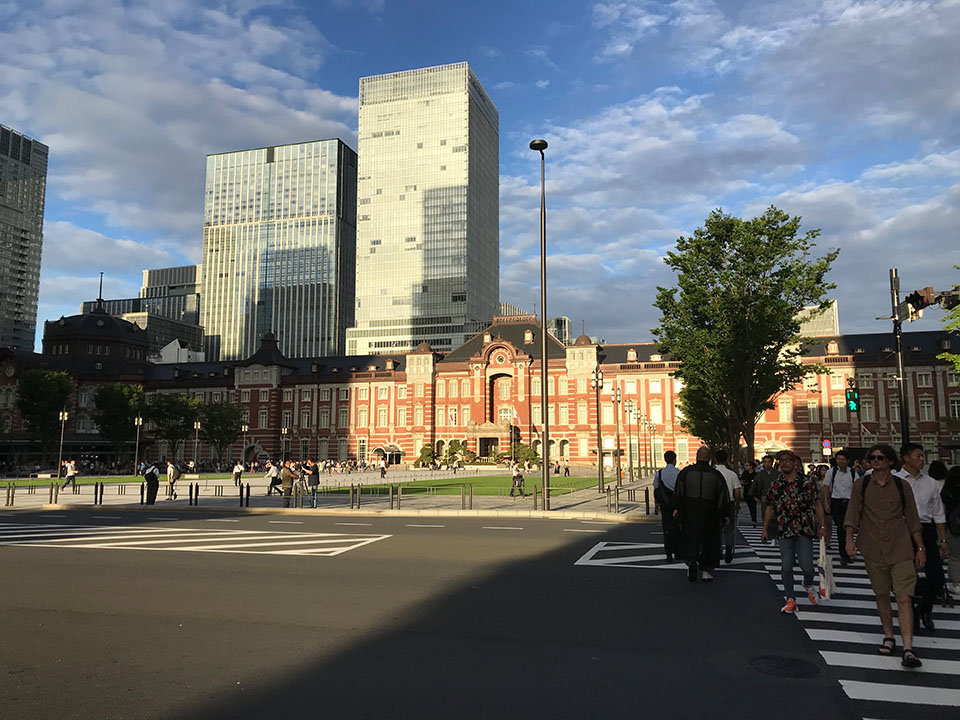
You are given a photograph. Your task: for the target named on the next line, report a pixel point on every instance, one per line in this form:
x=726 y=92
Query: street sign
x=826 y=444
x=903 y=311
x=263 y=456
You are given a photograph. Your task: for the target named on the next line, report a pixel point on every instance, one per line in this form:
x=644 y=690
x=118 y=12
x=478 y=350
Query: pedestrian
x=761 y=485
x=733 y=507
x=701 y=507
x=517 y=480
x=566 y=468
x=383 y=467
x=313 y=480
x=70 y=471
x=836 y=495
x=746 y=488
x=273 y=477
x=238 y=473
x=933 y=520
x=664 y=483
x=950 y=495
x=795 y=509
x=881 y=522
x=151 y=476
x=286 y=481
x=173 y=474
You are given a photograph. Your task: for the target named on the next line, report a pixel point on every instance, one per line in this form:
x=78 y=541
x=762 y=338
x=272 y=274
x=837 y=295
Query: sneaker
x=728 y=556
x=706 y=576
x=790 y=607
x=813 y=593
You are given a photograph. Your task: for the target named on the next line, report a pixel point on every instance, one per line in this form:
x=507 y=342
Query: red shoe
x=790 y=607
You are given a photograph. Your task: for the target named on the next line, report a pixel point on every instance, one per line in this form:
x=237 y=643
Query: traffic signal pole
x=898 y=347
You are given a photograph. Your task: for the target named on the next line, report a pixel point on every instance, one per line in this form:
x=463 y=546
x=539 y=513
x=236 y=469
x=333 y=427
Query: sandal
x=887 y=647
x=910 y=659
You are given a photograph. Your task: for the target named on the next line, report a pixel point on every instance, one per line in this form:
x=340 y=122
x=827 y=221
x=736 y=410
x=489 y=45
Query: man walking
x=795 y=510
x=152 y=477
x=836 y=495
x=881 y=521
x=700 y=505
x=286 y=482
x=71 y=474
x=664 y=484
x=173 y=474
x=762 y=482
x=733 y=498
x=313 y=479
x=238 y=473
x=933 y=521
x=273 y=477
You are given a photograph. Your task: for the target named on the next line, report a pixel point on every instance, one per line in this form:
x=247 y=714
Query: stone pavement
x=219 y=495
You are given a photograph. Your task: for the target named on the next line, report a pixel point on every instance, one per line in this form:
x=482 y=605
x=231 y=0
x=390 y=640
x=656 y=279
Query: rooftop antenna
x=100 y=294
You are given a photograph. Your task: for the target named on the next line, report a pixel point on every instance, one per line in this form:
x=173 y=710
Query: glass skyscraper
x=279 y=246
x=23 y=184
x=427 y=210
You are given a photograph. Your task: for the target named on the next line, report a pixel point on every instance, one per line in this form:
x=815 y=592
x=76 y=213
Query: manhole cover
x=787 y=667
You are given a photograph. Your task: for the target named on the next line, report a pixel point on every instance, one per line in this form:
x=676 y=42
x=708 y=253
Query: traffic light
x=853 y=400
x=918 y=300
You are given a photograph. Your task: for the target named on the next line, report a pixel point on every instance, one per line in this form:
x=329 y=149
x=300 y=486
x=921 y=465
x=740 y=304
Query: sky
x=656 y=113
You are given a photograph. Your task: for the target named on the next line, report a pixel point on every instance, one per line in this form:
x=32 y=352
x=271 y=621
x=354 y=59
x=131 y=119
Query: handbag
x=828 y=585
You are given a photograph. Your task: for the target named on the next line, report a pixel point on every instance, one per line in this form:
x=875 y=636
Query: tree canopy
x=951 y=321
x=733 y=321
x=115 y=407
x=41 y=396
x=220 y=425
x=173 y=416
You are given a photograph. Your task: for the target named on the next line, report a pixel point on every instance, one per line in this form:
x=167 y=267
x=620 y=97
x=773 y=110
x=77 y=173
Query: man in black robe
x=700 y=502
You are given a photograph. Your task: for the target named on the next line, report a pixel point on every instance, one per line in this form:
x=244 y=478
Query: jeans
x=838 y=510
x=313 y=494
x=287 y=491
x=799 y=547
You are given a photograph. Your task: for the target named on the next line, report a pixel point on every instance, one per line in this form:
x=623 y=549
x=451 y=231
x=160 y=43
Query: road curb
x=345 y=512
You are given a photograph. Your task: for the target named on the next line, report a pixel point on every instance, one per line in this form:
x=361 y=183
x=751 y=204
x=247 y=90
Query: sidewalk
x=223 y=496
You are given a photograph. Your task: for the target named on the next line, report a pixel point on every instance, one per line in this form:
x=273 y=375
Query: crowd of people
x=900 y=515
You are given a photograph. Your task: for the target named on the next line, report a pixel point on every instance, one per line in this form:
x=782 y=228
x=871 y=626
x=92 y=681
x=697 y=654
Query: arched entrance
x=565 y=449
x=392 y=453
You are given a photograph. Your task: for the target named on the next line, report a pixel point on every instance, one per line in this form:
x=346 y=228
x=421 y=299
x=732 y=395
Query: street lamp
x=63 y=422
x=597 y=384
x=646 y=448
x=629 y=406
x=196 y=443
x=615 y=396
x=540 y=146
x=138 y=421
x=283 y=444
x=653 y=442
x=243 y=452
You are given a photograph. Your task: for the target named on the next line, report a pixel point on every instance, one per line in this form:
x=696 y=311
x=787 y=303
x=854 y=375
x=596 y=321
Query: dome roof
x=583 y=340
x=97 y=324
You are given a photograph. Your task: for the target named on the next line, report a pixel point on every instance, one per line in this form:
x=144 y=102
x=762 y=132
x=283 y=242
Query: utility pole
x=898 y=348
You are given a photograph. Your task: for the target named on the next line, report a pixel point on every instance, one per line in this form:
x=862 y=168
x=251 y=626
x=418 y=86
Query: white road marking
x=583 y=530
x=107 y=517
x=874 y=661
x=220 y=520
x=358 y=524
x=51 y=516
x=286 y=522
x=428 y=526
x=862 y=638
x=500 y=527
x=913 y=694
x=598 y=522
x=823 y=615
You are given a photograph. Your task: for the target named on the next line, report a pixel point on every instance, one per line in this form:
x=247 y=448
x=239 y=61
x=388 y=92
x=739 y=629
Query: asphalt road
x=121 y=616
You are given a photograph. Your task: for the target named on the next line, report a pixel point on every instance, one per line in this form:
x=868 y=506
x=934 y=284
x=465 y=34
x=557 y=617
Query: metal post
x=597 y=383
x=646 y=498
x=608 y=500
x=190 y=496
x=138 y=421
x=359 y=492
x=629 y=407
x=240 y=488
x=617 y=500
x=471 y=496
x=898 y=347
x=142 y=490
x=63 y=422
x=51 y=492
x=351 y=496
x=247 y=500
x=534 y=497
x=616 y=415
x=399 y=495
x=56 y=493
x=463 y=497
x=540 y=146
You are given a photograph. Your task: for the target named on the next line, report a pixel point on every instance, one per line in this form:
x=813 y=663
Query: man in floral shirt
x=794 y=502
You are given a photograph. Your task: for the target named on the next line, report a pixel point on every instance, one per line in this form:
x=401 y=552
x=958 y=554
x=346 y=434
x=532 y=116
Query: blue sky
x=846 y=113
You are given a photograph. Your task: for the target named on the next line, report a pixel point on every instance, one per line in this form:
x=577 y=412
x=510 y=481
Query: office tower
x=279 y=246
x=23 y=182
x=427 y=210
x=172 y=293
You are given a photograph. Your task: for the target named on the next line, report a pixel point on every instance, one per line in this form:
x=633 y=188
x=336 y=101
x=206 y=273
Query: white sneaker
x=706 y=576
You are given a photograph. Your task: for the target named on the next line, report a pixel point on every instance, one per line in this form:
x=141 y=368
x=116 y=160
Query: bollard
x=471 y=496
x=609 y=506
x=248 y=495
x=359 y=490
x=399 y=495
x=190 y=496
x=617 y=500
x=646 y=498
x=56 y=493
x=76 y=489
x=350 y=496
x=196 y=495
x=51 y=493
x=390 y=488
x=142 y=489
x=6 y=500
x=534 y=497
x=240 y=488
x=31 y=489
x=463 y=497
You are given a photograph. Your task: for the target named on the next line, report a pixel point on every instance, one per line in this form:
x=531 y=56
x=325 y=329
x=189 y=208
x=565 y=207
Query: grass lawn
x=482 y=485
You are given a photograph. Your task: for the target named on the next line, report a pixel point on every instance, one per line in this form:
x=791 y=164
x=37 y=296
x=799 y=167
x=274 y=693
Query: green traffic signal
x=853 y=400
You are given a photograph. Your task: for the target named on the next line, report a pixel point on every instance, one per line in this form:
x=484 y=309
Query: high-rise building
x=172 y=292
x=23 y=183
x=279 y=246
x=427 y=210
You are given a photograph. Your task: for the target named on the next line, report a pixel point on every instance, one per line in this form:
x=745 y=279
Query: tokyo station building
x=482 y=394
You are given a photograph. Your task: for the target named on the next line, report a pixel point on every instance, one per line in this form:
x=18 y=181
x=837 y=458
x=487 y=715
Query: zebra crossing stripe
x=892 y=664
x=912 y=694
x=823 y=615
x=862 y=638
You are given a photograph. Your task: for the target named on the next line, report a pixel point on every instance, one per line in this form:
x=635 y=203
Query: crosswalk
x=650 y=555
x=846 y=631
x=168 y=539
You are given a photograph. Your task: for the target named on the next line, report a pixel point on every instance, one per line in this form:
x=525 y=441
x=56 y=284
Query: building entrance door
x=488 y=446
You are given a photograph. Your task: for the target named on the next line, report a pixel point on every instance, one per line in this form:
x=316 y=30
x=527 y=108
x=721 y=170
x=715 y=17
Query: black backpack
x=899 y=483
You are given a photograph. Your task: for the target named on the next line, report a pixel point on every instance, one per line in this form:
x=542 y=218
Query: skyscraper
x=279 y=246
x=23 y=183
x=427 y=210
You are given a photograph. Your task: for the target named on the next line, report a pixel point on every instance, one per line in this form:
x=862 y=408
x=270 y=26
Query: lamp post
x=243 y=456
x=597 y=384
x=653 y=442
x=629 y=406
x=63 y=423
x=196 y=442
x=540 y=146
x=138 y=421
x=615 y=396
x=283 y=444
x=646 y=448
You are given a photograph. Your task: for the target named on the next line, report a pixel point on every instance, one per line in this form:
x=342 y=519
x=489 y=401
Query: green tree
x=453 y=451
x=425 y=457
x=41 y=396
x=733 y=320
x=115 y=407
x=522 y=452
x=951 y=321
x=220 y=426
x=173 y=416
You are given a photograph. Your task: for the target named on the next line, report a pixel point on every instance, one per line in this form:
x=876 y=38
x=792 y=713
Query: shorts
x=901 y=577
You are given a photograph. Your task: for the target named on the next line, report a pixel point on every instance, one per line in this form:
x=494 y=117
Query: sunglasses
x=877 y=457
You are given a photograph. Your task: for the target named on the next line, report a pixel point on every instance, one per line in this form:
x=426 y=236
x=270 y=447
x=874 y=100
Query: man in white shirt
x=733 y=495
x=664 y=483
x=933 y=519
x=836 y=496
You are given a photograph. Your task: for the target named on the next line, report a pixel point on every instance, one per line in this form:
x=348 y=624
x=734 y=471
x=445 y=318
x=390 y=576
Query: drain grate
x=787 y=667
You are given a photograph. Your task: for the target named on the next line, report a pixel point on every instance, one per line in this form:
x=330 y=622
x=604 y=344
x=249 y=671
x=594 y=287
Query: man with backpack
x=836 y=497
x=152 y=477
x=882 y=523
x=664 y=483
x=173 y=474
